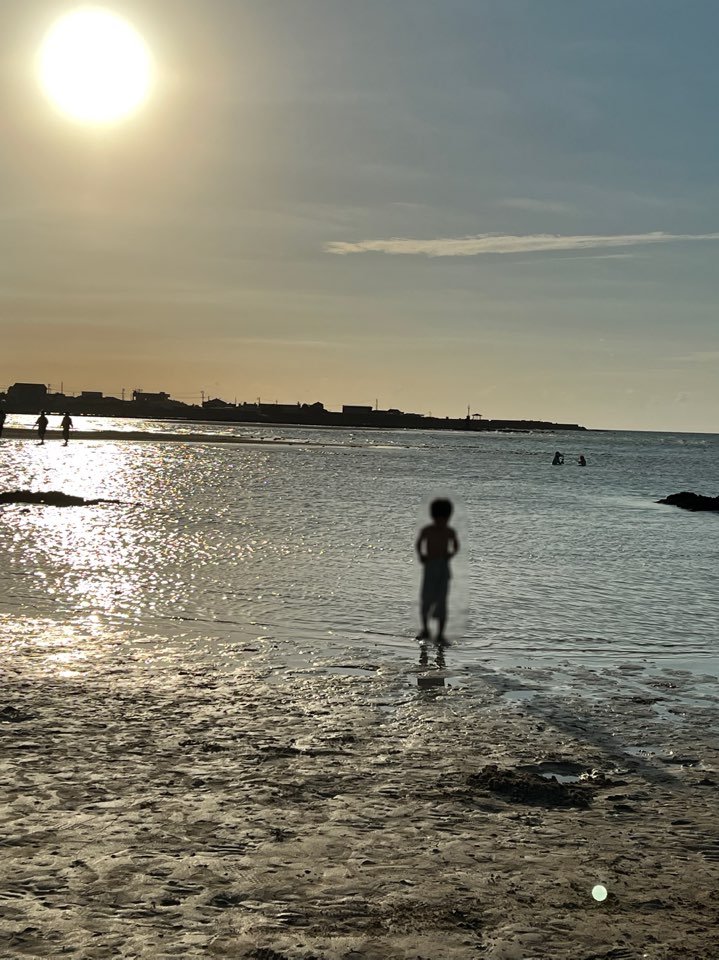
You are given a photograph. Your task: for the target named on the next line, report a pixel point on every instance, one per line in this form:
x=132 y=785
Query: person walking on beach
x=66 y=427
x=41 y=424
x=436 y=544
x=3 y=415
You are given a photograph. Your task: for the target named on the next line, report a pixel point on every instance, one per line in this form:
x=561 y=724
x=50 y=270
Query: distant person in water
x=66 y=427
x=582 y=460
x=3 y=415
x=41 y=424
x=436 y=544
x=558 y=459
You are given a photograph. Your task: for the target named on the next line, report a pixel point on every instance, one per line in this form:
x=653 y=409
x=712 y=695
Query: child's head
x=440 y=510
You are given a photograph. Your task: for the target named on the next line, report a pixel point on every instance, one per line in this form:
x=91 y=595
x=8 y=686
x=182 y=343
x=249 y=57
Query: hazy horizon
x=506 y=205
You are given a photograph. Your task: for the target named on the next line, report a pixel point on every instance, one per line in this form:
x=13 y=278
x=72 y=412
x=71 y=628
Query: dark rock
x=691 y=501
x=223 y=900
x=531 y=788
x=11 y=714
x=53 y=498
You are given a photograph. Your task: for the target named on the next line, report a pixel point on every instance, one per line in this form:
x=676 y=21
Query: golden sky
x=429 y=205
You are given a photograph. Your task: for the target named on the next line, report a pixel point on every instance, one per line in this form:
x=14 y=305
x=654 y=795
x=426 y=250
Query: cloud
x=532 y=205
x=503 y=243
x=700 y=356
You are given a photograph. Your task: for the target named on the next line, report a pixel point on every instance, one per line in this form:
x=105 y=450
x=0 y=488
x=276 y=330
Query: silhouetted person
x=3 y=415
x=41 y=424
x=66 y=427
x=558 y=459
x=582 y=460
x=436 y=544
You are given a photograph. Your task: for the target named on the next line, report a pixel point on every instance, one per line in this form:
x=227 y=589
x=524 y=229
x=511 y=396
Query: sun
x=95 y=67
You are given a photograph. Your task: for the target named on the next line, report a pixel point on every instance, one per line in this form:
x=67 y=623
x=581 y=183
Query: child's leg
x=440 y=611
x=425 y=605
x=424 y=616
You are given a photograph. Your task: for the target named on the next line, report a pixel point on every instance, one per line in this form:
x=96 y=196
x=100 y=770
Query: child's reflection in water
x=439 y=659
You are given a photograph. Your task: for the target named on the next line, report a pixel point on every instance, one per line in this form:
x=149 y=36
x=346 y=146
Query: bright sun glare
x=94 y=66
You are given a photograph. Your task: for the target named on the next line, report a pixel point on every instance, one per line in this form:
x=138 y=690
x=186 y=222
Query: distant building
x=91 y=395
x=217 y=404
x=351 y=410
x=277 y=407
x=27 y=394
x=139 y=396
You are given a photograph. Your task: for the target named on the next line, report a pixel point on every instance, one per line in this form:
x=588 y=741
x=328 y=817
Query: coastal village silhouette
x=30 y=398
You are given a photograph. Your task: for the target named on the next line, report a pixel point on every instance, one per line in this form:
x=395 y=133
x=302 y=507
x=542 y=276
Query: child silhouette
x=436 y=544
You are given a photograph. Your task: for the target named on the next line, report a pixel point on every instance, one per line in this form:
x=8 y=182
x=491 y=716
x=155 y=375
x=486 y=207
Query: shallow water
x=297 y=553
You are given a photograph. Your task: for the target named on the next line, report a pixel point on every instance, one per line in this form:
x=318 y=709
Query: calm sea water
x=306 y=545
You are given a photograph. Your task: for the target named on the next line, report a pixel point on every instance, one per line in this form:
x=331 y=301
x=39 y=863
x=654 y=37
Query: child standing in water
x=436 y=544
x=41 y=424
x=66 y=427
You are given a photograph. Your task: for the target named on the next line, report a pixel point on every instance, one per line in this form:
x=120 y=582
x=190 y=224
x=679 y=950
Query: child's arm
x=421 y=540
x=453 y=541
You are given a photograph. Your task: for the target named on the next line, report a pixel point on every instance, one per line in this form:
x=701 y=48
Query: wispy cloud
x=503 y=243
x=700 y=356
x=532 y=205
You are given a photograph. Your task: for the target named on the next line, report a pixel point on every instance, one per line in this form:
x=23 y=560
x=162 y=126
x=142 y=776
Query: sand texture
x=54 y=437
x=346 y=814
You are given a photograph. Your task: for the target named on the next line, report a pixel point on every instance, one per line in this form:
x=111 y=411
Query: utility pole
x=123 y=394
x=202 y=394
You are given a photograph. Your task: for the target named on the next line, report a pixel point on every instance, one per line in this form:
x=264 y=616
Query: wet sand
x=51 y=438
x=150 y=812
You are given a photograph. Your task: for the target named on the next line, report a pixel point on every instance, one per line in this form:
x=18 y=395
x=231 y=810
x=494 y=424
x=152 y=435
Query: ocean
x=298 y=548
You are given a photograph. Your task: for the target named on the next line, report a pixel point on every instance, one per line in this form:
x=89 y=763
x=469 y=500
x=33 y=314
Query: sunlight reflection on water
x=214 y=547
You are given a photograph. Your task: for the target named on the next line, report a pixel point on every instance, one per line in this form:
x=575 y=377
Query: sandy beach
x=53 y=437
x=347 y=812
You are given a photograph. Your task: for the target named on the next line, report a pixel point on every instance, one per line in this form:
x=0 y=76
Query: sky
x=506 y=205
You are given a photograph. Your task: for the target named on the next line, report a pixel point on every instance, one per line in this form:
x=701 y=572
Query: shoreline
x=286 y=814
x=51 y=439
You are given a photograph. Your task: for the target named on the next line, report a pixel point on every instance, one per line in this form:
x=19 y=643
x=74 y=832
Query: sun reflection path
x=153 y=563
x=80 y=564
x=61 y=650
